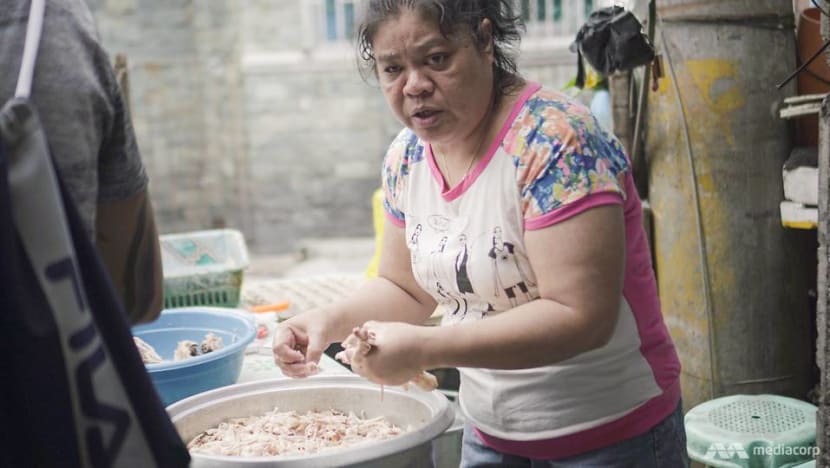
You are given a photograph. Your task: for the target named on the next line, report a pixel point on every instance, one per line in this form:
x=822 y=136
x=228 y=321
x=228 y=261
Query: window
x=546 y=18
x=340 y=17
x=335 y=21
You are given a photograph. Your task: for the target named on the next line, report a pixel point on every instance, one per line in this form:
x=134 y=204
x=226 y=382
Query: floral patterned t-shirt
x=550 y=161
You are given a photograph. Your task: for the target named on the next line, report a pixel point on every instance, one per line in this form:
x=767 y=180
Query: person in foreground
x=514 y=213
x=88 y=128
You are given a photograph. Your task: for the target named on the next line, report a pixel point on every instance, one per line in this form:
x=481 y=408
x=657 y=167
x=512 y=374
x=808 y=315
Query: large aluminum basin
x=428 y=414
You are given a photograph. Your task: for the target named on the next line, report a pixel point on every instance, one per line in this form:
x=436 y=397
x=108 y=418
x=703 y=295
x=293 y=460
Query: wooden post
x=619 y=86
x=122 y=76
x=823 y=302
x=823 y=280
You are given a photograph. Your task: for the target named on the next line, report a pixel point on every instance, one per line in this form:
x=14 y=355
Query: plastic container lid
x=199 y=252
x=751 y=430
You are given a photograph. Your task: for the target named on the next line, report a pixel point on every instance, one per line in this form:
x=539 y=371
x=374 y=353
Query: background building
x=253 y=115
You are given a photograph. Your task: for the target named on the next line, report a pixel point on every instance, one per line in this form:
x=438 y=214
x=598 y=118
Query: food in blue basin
x=175 y=380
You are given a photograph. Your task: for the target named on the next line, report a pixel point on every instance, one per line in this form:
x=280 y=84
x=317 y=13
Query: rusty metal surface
x=756 y=326
x=724 y=9
x=823 y=303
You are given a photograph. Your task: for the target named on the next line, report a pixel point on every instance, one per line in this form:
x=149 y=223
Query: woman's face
x=439 y=87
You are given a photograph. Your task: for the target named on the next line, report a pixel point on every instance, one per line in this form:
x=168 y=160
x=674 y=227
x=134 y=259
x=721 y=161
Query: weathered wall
x=317 y=136
x=185 y=89
x=244 y=121
x=823 y=277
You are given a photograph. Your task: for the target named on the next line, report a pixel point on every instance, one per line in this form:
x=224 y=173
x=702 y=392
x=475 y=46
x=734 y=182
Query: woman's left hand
x=397 y=352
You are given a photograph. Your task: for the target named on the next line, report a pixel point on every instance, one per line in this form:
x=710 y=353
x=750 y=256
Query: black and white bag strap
x=97 y=395
x=34 y=28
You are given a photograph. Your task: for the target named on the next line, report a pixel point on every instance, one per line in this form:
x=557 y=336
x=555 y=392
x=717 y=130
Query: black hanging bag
x=611 y=40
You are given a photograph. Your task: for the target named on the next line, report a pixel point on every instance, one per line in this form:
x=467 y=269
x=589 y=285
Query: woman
x=580 y=370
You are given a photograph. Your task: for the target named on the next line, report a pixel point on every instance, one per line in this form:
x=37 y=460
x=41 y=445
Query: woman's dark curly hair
x=453 y=16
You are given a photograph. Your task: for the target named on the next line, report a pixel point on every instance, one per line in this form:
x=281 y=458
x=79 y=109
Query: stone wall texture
x=246 y=120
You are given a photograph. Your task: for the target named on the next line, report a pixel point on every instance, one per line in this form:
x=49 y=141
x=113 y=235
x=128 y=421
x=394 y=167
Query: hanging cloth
x=74 y=391
x=612 y=39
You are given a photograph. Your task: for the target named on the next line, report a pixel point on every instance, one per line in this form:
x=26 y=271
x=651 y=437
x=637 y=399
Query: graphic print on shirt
x=435 y=258
x=462 y=279
x=509 y=278
x=457 y=267
x=432 y=243
x=413 y=243
x=437 y=262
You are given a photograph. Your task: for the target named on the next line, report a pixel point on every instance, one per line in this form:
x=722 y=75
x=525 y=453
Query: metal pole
x=823 y=279
x=823 y=302
x=637 y=158
x=726 y=57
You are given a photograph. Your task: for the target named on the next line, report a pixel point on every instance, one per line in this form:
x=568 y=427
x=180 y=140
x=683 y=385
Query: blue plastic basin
x=175 y=380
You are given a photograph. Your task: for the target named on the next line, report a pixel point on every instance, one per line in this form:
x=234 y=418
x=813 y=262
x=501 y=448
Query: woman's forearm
x=541 y=332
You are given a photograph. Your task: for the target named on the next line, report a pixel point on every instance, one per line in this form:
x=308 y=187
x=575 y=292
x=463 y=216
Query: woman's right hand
x=298 y=344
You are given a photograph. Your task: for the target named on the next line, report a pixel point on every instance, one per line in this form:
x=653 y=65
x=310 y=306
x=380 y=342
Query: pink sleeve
x=572 y=209
x=569 y=166
x=398 y=157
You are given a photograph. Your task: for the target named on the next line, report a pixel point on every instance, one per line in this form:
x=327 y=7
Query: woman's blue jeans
x=663 y=446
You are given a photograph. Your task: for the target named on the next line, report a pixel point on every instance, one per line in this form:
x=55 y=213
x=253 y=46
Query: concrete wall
x=317 y=134
x=185 y=92
x=245 y=121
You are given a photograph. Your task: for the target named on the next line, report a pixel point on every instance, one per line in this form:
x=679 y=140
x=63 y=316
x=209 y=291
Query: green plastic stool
x=809 y=464
x=751 y=431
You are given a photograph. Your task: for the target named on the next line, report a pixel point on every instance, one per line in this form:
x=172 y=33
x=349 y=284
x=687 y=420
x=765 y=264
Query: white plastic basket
x=203 y=268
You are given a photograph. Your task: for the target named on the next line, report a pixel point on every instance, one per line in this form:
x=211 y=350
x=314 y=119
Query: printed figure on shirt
x=413 y=242
x=462 y=278
x=508 y=274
